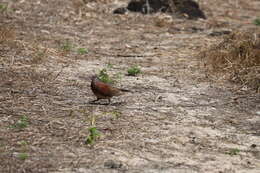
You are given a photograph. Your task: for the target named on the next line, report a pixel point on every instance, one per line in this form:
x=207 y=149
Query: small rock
x=253 y=146
x=112 y=164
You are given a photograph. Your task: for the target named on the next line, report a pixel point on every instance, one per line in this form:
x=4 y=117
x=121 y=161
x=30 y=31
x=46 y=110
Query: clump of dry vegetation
x=236 y=58
x=6 y=34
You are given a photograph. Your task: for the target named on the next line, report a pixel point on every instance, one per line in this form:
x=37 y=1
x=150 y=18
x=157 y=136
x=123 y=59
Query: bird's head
x=93 y=77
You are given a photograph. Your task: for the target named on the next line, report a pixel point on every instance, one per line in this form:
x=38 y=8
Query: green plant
x=93 y=135
x=133 y=71
x=2 y=7
x=257 y=21
x=104 y=77
x=23 y=143
x=23 y=156
x=82 y=51
x=109 y=65
x=233 y=151
x=21 y=123
x=67 y=46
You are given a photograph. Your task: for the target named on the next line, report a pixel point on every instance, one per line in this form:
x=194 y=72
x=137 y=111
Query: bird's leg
x=109 y=101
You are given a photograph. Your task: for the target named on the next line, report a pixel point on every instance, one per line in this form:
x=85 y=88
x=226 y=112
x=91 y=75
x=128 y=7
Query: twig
x=124 y=55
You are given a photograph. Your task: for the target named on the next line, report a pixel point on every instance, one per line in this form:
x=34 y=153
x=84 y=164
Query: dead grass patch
x=236 y=58
x=6 y=34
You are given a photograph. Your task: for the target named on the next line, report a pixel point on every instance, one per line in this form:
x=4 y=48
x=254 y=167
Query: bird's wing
x=103 y=89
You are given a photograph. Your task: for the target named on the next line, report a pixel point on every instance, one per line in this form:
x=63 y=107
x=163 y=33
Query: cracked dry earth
x=176 y=119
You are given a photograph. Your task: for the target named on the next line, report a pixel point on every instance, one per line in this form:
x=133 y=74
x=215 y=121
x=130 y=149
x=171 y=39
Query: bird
x=103 y=90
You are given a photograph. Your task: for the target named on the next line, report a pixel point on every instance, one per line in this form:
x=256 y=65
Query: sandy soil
x=176 y=119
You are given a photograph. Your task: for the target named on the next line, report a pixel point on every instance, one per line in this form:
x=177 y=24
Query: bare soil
x=176 y=119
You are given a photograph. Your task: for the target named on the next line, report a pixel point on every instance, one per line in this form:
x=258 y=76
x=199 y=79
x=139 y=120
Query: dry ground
x=177 y=119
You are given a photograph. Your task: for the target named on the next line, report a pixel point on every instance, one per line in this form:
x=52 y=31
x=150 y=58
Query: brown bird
x=103 y=90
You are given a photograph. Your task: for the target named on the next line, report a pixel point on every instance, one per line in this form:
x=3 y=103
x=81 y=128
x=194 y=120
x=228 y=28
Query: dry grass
x=6 y=34
x=237 y=58
x=171 y=120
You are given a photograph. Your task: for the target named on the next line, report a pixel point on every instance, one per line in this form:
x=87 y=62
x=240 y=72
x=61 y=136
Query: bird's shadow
x=107 y=104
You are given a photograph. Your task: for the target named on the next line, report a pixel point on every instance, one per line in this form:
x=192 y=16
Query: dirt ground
x=176 y=119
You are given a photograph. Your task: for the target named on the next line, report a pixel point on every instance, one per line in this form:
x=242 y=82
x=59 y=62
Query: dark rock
x=189 y=8
x=121 y=10
x=147 y=7
x=135 y=6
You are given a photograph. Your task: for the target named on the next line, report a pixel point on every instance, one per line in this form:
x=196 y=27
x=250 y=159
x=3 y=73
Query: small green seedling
x=21 y=123
x=116 y=114
x=23 y=156
x=233 y=152
x=93 y=135
x=104 y=77
x=23 y=143
x=133 y=71
x=109 y=65
x=82 y=51
x=2 y=7
x=67 y=46
x=257 y=21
